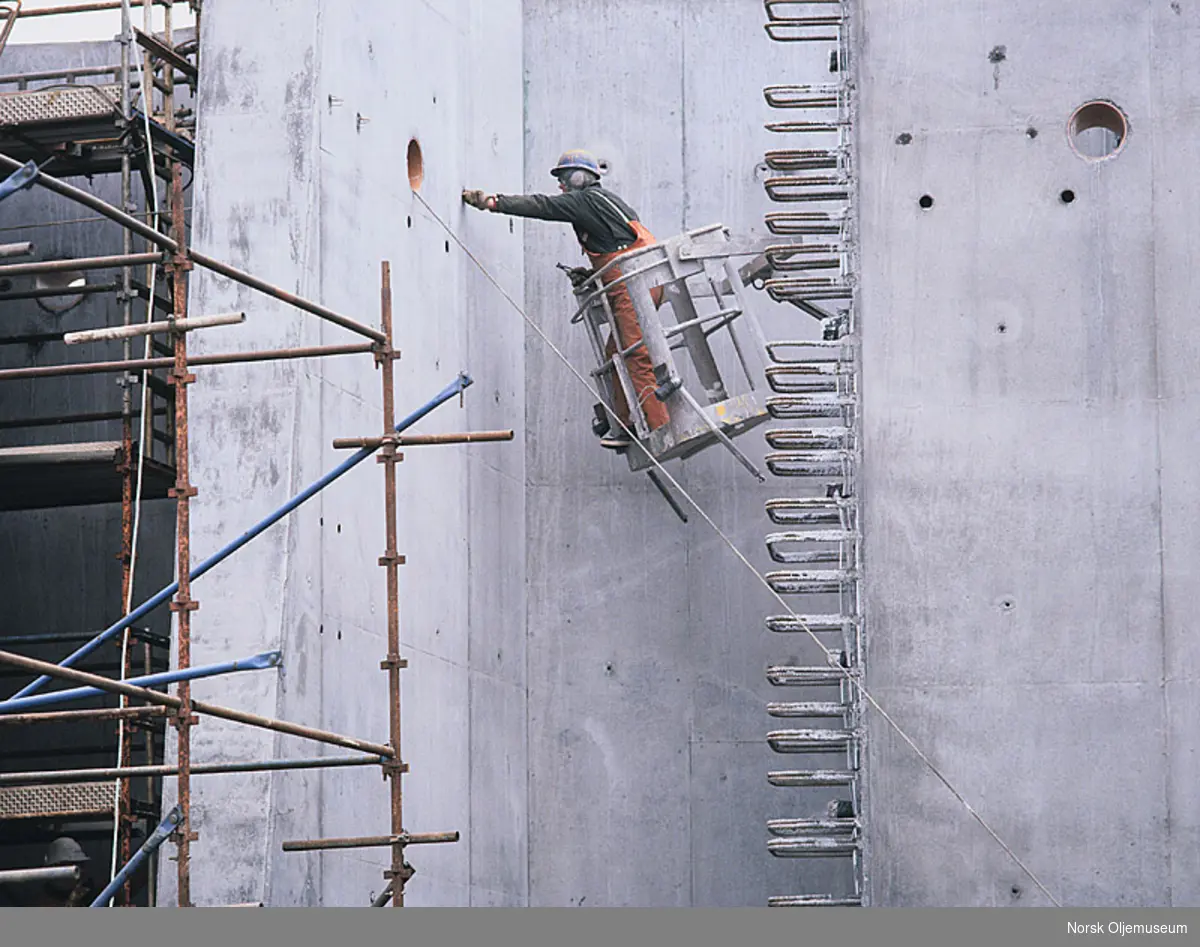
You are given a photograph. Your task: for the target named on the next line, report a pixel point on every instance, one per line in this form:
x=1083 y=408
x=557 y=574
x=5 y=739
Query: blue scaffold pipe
x=258 y=662
x=149 y=847
x=20 y=179
x=460 y=384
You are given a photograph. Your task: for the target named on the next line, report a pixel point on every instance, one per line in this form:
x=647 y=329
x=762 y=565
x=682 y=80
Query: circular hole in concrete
x=1031 y=132
x=1097 y=130
x=1002 y=328
x=604 y=166
x=416 y=165
x=1067 y=196
x=926 y=201
x=60 y=283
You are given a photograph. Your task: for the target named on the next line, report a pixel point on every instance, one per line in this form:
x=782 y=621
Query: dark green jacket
x=598 y=215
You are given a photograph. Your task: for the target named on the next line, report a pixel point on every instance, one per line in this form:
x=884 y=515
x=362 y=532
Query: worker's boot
x=600 y=425
x=616 y=440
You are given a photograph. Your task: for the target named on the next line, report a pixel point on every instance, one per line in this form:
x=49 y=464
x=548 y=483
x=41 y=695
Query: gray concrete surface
x=1026 y=374
x=292 y=185
x=587 y=706
x=646 y=639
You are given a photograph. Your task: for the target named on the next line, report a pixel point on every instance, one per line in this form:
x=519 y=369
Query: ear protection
x=578 y=179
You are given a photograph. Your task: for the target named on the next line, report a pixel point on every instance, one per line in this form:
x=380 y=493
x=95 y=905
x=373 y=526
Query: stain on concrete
x=298 y=100
x=998 y=55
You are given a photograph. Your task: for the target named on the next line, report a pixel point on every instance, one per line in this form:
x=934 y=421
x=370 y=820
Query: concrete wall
x=585 y=705
x=1029 y=480
x=646 y=640
x=292 y=185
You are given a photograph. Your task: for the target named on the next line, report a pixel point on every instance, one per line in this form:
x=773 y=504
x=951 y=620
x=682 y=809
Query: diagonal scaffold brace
x=460 y=384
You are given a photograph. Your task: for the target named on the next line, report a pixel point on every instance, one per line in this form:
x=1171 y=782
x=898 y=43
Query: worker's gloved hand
x=579 y=275
x=476 y=199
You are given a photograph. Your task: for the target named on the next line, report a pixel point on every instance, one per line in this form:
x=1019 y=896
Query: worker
x=607 y=228
x=64 y=850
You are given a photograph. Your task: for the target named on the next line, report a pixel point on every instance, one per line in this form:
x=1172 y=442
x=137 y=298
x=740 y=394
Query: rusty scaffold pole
x=123 y=814
x=391 y=560
x=183 y=604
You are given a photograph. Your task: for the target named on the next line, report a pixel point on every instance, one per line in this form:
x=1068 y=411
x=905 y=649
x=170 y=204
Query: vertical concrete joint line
x=1165 y=660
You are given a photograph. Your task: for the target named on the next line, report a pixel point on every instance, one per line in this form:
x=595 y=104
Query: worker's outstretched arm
x=562 y=207
x=565 y=207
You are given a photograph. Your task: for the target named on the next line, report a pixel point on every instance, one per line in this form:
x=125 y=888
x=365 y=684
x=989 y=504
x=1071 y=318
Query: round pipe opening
x=416 y=165
x=1097 y=130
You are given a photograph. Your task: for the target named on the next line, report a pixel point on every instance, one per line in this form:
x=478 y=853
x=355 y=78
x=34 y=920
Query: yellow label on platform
x=720 y=410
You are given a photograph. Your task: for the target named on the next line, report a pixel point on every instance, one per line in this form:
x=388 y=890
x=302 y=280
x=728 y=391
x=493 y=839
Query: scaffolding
x=84 y=122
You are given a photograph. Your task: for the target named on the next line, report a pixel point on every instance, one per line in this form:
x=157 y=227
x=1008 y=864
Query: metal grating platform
x=72 y=800
x=65 y=103
x=80 y=125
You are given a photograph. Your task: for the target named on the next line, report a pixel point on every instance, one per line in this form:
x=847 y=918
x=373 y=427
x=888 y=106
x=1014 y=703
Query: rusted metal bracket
x=160 y=50
x=419 y=440
x=403 y=839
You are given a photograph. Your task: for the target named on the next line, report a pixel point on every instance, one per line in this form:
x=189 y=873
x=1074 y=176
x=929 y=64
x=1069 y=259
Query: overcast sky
x=70 y=27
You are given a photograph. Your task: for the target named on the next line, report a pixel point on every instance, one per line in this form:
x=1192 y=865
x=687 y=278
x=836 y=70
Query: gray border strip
x=696 y=927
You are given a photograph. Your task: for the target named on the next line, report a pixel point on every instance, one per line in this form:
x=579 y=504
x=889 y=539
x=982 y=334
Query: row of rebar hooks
x=817 y=540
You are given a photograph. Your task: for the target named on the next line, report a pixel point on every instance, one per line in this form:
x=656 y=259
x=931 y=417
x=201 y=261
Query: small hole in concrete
x=339 y=527
x=416 y=165
x=904 y=138
x=1067 y=196
x=1097 y=130
x=603 y=165
x=1016 y=891
x=410 y=221
x=510 y=225
x=1031 y=132
x=1002 y=328
x=447 y=246
x=339 y=634
x=926 y=201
